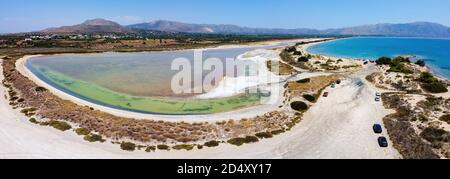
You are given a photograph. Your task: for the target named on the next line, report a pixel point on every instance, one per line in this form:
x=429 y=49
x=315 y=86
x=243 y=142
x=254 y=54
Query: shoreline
x=434 y=69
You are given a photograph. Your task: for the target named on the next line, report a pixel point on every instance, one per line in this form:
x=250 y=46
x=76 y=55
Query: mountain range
x=416 y=29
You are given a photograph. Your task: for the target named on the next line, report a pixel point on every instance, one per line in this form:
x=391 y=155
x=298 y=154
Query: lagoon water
x=137 y=74
x=138 y=82
x=436 y=52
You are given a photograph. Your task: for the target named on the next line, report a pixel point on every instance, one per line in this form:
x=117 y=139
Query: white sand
x=231 y=86
x=343 y=130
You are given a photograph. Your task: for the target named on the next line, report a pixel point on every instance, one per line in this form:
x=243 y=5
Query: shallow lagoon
x=138 y=82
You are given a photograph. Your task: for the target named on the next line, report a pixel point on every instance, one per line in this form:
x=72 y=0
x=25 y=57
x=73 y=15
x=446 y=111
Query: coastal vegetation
x=183 y=147
x=93 y=138
x=445 y=118
x=306 y=80
x=310 y=98
x=264 y=135
x=299 y=106
x=280 y=67
x=212 y=143
x=128 y=146
x=398 y=64
x=432 y=84
x=243 y=140
x=60 y=125
x=82 y=131
x=402 y=132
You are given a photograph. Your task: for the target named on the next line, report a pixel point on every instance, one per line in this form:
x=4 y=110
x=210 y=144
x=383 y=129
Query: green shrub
x=62 y=126
x=445 y=118
x=298 y=53
x=240 y=141
x=163 y=147
x=128 y=146
x=264 y=135
x=427 y=77
x=183 y=147
x=237 y=141
x=303 y=59
x=93 y=138
x=421 y=63
x=309 y=98
x=150 y=149
x=82 y=131
x=432 y=84
x=299 y=106
x=251 y=139
x=34 y=121
x=277 y=132
x=400 y=59
x=435 y=87
x=306 y=80
x=400 y=68
x=384 y=61
x=40 y=89
x=291 y=49
x=212 y=143
x=435 y=135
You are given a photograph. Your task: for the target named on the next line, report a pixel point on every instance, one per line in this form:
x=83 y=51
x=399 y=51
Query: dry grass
x=281 y=68
x=315 y=84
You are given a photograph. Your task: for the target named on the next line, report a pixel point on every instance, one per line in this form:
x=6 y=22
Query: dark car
x=377 y=129
x=382 y=141
x=325 y=94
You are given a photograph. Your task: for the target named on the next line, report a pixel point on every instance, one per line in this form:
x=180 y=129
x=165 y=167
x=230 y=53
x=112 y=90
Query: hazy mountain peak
x=91 y=26
x=100 y=22
x=415 y=29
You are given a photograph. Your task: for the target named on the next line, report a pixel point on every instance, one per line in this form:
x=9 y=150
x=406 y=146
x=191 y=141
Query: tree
x=421 y=63
x=303 y=59
x=291 y=49
x=384 y=61
x=299 y=106
x=400 y=59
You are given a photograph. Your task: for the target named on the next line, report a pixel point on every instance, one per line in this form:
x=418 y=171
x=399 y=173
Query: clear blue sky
x=29 y=15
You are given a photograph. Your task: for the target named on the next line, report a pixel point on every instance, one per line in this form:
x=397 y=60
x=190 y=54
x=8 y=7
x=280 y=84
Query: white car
x=378 y=94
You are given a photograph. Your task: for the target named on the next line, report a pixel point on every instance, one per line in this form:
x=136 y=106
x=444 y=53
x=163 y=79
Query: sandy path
x=341 y=131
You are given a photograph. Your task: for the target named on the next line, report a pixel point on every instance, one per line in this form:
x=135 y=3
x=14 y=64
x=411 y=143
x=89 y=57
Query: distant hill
x=172 y=26
x=416 y=29
x=91 y=26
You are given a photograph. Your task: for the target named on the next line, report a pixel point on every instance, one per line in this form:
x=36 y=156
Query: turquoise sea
x=436 y=52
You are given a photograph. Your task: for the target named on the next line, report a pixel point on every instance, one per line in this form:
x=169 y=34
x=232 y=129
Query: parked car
x=377 y=99
x=377 y=129
x=333 y=85
x=382 y=141
x=325 y=94
x=378 y=94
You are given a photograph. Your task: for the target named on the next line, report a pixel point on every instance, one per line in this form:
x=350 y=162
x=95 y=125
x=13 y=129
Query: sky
x=31 y=15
